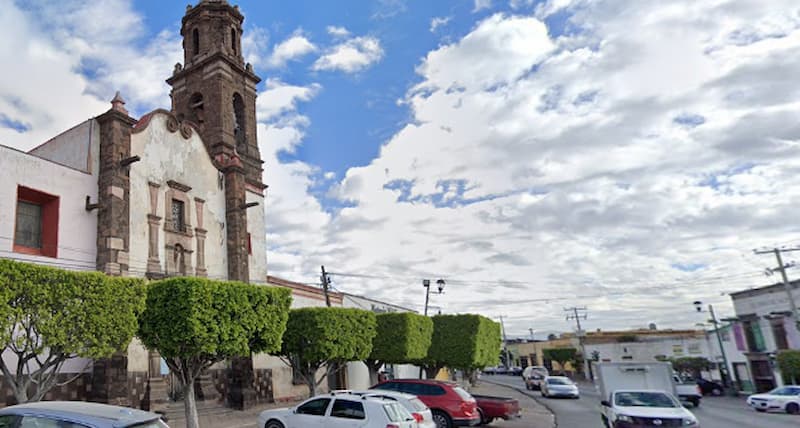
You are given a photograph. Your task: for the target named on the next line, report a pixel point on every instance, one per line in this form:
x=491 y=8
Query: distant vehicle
x=515 y=371
x=500 y=370
x=559 y=386
x=77 y=413
x=421 y=413
x=784 y=399
x=491 y=408
x=450 y=404
x=533 y=376
x=709 y=387
x=343 y=411
x=640 y=394
x=688 y=391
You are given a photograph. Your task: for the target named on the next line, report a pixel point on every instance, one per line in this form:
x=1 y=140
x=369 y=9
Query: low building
x=764 y=326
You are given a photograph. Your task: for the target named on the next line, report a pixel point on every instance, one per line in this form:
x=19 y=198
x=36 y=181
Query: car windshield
x=785 y=390
x=418 y=405
x=644 y=399
x=558 y=381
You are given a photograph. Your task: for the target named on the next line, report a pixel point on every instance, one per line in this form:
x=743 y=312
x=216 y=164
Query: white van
x=533 y=376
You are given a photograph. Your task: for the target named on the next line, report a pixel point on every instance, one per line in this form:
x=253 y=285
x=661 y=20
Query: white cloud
x=293 y=48
x=337 y=31
x=255 y=45
x=438 y=21
x=481 y=5
x=626 y=166
x=351 y=56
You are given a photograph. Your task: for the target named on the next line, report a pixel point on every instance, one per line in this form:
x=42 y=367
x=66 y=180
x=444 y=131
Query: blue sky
x=625 y=156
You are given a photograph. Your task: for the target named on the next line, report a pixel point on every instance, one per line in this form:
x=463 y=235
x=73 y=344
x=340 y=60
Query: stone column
x=153 y=221
x=200 y=235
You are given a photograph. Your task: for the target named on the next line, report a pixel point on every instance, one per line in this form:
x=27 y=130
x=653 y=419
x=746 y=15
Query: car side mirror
x=605 y=403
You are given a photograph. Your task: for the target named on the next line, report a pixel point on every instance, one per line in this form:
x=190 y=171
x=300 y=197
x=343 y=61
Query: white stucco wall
x=649 y=349
x=73 y=147
x=256 y=226
x=168 y=156
x=77 y=228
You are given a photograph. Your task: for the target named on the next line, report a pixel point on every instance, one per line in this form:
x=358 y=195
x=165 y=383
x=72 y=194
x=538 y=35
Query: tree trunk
x=373 y=366
x=189 y=403
x=20 y=393
x=312 y=384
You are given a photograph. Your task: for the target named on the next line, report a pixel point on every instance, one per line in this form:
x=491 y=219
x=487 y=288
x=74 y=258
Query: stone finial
x=178 y=68
x=118 y=104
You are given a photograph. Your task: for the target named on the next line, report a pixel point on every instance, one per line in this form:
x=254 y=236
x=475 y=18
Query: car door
x=346 y=414
x=310 y=414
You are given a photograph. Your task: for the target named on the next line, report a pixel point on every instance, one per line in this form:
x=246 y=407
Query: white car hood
x=653 y=412
x=765 y=396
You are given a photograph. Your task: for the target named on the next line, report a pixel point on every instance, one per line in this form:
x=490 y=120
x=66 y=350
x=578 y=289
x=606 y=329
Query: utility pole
x=577 y=314
x=786 y=285
x=325 y=286
x=505 y=341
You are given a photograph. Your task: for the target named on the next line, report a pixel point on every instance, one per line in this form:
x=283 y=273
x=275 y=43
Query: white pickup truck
x=687 y=391
x=640 y=394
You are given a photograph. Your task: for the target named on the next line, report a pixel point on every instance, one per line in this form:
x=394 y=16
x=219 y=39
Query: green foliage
x=402 y=337
x=464 y=342
x=560 y=355
x=84 y=314
x=213 y=320
x=627 y=338
x=690 y=365
x=49 y=315
x=789 y=364
x=326 y=334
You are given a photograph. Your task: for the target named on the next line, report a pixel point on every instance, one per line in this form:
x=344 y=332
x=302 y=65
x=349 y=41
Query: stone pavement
x=534 y=415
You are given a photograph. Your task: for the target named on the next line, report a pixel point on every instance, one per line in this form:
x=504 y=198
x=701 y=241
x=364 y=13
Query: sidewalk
x=534 y=415
x=232 y=418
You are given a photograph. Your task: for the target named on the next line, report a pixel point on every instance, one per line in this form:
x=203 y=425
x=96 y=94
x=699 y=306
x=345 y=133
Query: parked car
x=784 y=399
x=709 y=387
x=559 y=386
x=491 y=408
x=76 y=413
x=687 y=391
x=515 y=371
x=421 y=413
x=341 y=411
x=533 y=375
x=489 y=370
x=450 y=404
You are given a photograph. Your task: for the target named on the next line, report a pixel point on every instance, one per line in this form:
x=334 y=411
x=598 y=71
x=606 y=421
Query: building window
x=233 y=40
x=755 y=340
x=36 y=227
x=239 y=124
x=178 y=220
x=29 y=225
x=195 y=41
x=249 y=245
x=196 y=108
x=779 y=332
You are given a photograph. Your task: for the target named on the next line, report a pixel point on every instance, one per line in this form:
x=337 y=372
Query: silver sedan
x=559 y=386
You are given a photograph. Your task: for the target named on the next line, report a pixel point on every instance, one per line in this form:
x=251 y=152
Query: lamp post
x=427 y=284
x=724 y=373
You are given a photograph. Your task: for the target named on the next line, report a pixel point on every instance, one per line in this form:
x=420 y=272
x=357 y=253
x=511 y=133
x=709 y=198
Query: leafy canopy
x=83 y=314
x=561 y=355
x=402 y=337
x=464 y=342
x=319 y=335
x=789 y=364
x=199 y=317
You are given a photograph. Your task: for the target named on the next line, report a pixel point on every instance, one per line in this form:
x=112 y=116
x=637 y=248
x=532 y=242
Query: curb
x=529 y=395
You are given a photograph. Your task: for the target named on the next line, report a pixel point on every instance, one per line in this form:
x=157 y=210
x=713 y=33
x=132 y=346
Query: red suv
x=450 y=404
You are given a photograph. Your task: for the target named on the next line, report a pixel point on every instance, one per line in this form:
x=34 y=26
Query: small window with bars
x=178 y=219
x=28 y=231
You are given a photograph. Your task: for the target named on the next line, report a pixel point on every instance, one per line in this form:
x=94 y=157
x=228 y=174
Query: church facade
x=176 y=192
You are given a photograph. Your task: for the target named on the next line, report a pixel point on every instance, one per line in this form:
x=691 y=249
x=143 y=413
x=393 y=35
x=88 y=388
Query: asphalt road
x=714 y=412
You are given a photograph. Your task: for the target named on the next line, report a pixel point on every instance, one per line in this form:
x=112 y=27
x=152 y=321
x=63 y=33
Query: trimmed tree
x=197 y=322
x=789 y=364
x=466 y=342
x=49 y=316
x=561 y=355
x=691 y=365
x=402 y=337
x=319 y=337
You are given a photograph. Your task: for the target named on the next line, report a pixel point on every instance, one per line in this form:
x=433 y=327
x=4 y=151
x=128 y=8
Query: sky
x=626 y=157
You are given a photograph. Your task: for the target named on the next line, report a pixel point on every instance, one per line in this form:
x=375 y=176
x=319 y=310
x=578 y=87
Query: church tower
x=216 y=90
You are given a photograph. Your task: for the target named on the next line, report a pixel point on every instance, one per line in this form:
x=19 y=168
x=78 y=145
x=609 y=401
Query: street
x=714 y=412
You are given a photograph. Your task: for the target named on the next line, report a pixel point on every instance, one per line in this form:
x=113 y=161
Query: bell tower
x=216 y=90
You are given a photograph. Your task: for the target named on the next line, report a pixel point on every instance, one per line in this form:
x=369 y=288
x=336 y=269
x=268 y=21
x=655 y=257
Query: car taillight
x=392 y=426
x=417 y=417
x=699 y=391
x=467 y=407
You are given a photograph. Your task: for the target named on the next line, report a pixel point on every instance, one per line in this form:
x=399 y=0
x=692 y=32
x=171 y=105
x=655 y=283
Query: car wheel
x=484 y=419
x=761 y=410
x=695 y=402
x=716 y=392
x=442 y=420
x=273 y=424
x=605 y=421
x=792 y=408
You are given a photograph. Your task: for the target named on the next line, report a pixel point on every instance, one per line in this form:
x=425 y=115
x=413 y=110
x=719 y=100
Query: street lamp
x=698 y=305
x=427 y=284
